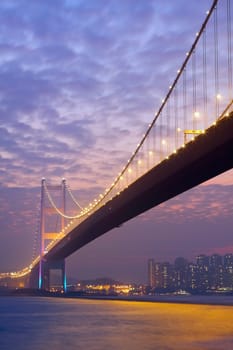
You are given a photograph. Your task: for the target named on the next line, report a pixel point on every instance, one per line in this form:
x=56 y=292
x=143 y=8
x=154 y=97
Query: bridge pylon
x=49 y=212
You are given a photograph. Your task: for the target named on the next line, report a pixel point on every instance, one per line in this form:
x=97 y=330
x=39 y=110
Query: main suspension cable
x=73 y=198
x=58 y=210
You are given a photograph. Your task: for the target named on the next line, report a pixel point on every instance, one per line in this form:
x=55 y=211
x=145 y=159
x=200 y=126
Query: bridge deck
x=209 y=155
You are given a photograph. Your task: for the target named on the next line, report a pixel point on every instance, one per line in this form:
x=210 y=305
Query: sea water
x=38 y=323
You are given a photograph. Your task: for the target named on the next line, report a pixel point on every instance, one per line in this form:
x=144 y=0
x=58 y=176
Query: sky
x=79 y=82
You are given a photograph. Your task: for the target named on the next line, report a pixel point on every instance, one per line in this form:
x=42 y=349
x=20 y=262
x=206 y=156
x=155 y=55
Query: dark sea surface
x=61 y=324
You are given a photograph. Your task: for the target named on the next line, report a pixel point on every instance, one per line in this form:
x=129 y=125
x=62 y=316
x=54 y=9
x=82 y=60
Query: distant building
x=158 y=275
x=192 y=277
x=166 y=276
x=228 y=260
x=228 y=266
x=203 y=272
x=151 y=273
x=180 y=273
x=216 y=272
x=209 y=273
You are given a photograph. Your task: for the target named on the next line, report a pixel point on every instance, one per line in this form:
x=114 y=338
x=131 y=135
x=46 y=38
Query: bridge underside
x=209 y=155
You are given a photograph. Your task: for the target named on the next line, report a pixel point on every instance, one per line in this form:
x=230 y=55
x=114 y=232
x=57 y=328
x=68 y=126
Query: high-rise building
x=192 y=277
x=228 y=267
x=203 y=272
x=158 y=275
x=180 y=273
x=202 y=260
x=216 y=271
x=228 y=260
x=215 y=260
x=151 y=273
x=166 y=276
x=210 y=273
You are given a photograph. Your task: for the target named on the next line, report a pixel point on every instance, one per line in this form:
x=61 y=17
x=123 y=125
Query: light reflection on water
x=35 y=323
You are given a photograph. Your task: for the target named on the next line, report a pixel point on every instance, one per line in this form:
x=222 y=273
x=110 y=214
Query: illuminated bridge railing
x=200 y=95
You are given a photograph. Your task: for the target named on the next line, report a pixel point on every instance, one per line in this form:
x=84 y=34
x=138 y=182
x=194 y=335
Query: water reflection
x=36 y=323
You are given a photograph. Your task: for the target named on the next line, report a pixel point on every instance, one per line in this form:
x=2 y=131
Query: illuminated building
x=180 y=273
x=166 y=275
x=151 y=273
x=209 y=274
x=228 y=275
x=203 y=272
x=158 y=278
x=216 y=272
x=192 y=277
x=228 y=260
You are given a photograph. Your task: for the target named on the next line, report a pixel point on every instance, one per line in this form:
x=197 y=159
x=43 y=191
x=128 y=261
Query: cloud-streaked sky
x=79 y=82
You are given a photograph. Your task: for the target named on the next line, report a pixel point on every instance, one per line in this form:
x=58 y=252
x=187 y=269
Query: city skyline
x=121 y=57
x=213 y=273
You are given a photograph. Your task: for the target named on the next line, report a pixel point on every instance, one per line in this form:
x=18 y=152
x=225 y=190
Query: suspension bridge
x=189 y=141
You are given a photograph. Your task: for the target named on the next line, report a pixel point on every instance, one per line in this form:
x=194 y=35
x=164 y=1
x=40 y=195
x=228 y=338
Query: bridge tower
x=49 y=213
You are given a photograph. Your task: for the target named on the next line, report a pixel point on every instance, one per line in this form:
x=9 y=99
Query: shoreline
x=194 y=300
x=221 y=300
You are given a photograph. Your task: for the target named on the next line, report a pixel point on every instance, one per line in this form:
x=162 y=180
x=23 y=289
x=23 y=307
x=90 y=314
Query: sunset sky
x=80 y=80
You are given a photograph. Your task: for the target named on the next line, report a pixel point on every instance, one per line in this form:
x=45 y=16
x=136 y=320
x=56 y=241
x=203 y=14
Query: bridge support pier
x=52 y=275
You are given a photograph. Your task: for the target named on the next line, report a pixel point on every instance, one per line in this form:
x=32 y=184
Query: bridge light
x=178 y=129
x=150 y=153
x=139 y=162
x=196 y=114
x=218 y=96
x=164 y=142
x=130 y=170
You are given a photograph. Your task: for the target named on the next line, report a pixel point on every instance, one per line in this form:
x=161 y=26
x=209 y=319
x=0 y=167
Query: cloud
x=85 y=77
